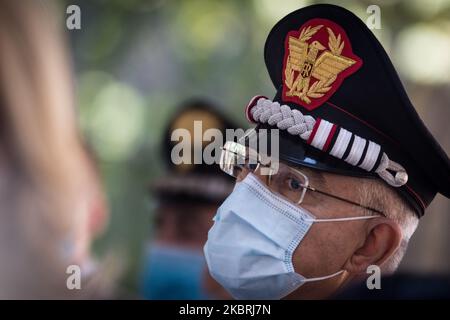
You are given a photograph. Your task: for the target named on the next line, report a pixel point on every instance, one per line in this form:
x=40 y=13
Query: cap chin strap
x=319 y=133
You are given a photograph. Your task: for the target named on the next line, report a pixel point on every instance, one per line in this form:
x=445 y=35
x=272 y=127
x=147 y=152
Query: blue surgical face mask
x=250 y=246
x=173 y=273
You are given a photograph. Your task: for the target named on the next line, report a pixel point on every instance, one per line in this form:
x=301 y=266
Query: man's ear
x=383 y=239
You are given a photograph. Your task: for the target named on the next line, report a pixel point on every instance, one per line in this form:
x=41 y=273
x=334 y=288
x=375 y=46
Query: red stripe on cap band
x=330 y=137
x=314 y=130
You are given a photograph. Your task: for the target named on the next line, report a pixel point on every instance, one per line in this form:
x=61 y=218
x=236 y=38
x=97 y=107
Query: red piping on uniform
x=387 y=137
x=364 y=122
x=416 y=195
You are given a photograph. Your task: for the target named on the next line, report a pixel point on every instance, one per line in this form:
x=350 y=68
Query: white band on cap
x=357 y=150
x=321 y=136
x=372 y=154
x=341 y=143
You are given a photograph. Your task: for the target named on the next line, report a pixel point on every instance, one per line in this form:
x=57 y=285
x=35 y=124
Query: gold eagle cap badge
x=318 y=57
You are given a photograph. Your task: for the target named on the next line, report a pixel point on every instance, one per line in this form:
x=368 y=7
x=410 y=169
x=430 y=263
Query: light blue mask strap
x=343 y=219
x=324 y=277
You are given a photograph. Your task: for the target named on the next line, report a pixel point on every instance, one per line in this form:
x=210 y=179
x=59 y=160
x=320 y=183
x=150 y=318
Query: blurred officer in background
x=187 y=199
x=51 y=198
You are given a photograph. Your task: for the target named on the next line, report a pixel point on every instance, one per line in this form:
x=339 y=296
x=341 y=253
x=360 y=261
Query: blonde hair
x=42 y=162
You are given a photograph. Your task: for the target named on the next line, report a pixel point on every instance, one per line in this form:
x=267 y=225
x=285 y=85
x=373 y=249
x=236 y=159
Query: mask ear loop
x=343 y=219
x=324 y=277
x=336 y=220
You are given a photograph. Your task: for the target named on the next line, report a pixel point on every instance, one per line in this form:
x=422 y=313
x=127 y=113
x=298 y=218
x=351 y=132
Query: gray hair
x=378 y=195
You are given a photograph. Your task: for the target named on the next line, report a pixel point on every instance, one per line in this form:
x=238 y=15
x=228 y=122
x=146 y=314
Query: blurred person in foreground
x=187 y=196
x=51 y=199
x=354 y=171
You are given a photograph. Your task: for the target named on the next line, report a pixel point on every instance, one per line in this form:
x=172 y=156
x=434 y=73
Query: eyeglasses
x=238 y=160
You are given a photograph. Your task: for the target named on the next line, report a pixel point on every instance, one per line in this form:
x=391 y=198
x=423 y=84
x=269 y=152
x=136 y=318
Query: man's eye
x=294 y=184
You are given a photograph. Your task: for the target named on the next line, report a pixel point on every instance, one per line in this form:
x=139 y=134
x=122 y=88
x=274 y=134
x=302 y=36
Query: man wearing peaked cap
x=356 y=167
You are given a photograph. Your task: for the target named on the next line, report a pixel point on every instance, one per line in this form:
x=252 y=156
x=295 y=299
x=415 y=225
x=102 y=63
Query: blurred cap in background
x=188 y=196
